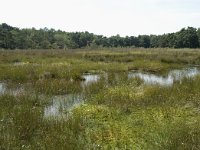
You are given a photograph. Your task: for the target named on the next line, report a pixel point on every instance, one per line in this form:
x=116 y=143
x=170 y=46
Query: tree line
x=15 y=38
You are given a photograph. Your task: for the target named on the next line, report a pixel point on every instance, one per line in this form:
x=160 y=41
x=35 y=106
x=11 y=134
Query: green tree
x=187 y=38
x=198 y=34
x=62 y=40
x=12 y=38
x=144 y=41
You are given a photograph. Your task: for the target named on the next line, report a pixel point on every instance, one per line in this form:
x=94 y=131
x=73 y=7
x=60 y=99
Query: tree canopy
x=15 y=38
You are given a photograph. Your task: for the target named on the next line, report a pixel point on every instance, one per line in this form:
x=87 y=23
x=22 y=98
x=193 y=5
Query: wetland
x=105 y=99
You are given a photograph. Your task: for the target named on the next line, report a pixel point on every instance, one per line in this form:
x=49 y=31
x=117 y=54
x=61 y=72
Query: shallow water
x=174 y=75
x=14 y=90
x=61 y=105
x=90 y=78
x=2 y=88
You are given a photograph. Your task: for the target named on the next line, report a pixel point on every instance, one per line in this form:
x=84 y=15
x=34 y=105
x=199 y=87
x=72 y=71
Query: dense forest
x=15 y=38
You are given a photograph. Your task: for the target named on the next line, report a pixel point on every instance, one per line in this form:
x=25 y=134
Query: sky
x=103 y=17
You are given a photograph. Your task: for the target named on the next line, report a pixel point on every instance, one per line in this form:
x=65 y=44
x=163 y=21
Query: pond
x=62 y=105
x=172 y=76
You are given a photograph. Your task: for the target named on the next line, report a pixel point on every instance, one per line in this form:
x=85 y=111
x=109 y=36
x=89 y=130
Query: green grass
x=118 y=113
x=156 y=118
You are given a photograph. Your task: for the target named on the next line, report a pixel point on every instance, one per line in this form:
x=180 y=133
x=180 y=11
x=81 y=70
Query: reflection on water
x=90 y=78
x=175 y=75
x=61 y=104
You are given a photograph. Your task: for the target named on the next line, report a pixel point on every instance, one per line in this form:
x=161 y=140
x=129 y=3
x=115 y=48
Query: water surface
x=62 y=104
x=16 y=90
x=2 y=88
x=172 y=76
x=90 y=78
